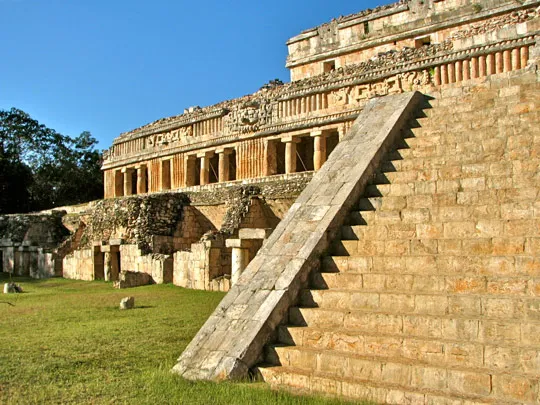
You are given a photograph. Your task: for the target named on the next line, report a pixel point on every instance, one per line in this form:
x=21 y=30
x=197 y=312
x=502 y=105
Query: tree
x=40 y=168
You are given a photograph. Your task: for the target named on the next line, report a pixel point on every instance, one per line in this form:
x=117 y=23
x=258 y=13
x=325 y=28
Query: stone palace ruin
x=376 y=220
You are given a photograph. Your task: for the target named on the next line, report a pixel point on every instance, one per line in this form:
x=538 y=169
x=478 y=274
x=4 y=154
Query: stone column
x=319 y=148
x=507 y=61
x=444 y=75
x=190 y=170
x=249 y=239
x=127 y=180
x=142 y=186
x=107 y=266
x=240 y=257
x=498 y=62
x=270 y=157
x=111 y=270
x=437 y=75
x=290 y=153
x=451 y=73
x=482 y=72
x=516 y=60
x=474 y=67
x=223 y=170
x=466 y=70
x=524 y=55
x=490 y=64
x=205 y=167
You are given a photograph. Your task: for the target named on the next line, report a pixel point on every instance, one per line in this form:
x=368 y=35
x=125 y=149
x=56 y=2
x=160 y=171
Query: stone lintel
x=206 y=154
x=292 y=139
x=224 y=150
x=113 y=242
x=254 y=233
x=238 y=243
x=317 y=132
x=110 y=249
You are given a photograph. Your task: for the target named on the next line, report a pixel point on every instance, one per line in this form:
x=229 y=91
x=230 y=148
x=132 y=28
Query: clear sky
x=109 y=66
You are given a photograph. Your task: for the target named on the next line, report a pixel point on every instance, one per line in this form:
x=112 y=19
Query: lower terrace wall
x=175 y=237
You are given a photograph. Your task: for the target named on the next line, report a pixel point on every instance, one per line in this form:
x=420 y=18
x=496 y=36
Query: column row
x=249 y=159
x=481 y=66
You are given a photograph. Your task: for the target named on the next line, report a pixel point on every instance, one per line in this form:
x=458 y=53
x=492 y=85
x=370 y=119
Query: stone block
x=127 y=303
x=469 y=383
x=129 y=279
x=515 y=388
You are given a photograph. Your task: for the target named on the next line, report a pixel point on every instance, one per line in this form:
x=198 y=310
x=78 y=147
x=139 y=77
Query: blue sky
x=111 y=66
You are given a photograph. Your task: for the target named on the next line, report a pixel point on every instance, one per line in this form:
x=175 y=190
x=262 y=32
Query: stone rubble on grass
x=127 y=303
x=10 y=288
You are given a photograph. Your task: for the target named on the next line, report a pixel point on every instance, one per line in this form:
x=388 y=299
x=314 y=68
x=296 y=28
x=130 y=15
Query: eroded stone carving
x=248 y=116
x=169 y=138
x=340 y=96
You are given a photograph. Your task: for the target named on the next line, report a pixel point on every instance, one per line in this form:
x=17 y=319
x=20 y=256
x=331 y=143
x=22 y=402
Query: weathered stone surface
x=129 y=279
x=127 y=303
x=282 y=266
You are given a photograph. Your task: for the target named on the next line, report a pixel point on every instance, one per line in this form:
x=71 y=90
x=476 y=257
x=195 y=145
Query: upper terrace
x=288 y=128
x=405 y=24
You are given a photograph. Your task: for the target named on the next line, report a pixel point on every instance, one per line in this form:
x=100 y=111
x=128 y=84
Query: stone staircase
x=432 y=294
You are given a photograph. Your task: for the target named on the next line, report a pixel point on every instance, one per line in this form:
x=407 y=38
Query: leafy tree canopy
x=40 y=168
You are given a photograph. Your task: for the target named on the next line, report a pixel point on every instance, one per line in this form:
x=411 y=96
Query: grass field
x=65 y=341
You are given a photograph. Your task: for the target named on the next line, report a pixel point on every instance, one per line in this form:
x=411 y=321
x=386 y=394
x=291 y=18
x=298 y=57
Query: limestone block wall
x=198 y=267
x=158 y=266
x=79 y=265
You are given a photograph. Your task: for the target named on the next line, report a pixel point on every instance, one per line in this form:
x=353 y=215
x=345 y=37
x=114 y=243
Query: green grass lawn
x=65 y=341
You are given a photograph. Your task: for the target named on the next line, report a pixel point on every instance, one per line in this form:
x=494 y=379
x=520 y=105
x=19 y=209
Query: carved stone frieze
x=248 y=116
x=391 y=85
x=339 y=96
x=169 y=138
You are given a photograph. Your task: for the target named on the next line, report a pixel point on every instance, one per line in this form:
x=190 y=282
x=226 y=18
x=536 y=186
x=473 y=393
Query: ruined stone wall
x=28 y=243
x=135 y=219
x=141 y=233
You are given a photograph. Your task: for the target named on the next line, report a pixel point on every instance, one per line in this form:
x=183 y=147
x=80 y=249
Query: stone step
x=480 y=179
x=380 y=281
x=300 y=381
x=426 y=295
x=471 y=238
x=437 y=351
x=474 y=329
x=448 y=195
x=470 y=383
x=485 y=287
x=453 y=264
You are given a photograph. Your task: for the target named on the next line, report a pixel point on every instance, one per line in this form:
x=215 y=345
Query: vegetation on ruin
x=40 y=168
x=66 y=341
